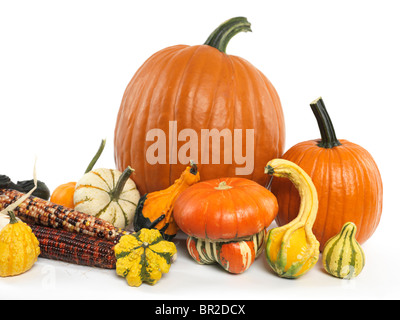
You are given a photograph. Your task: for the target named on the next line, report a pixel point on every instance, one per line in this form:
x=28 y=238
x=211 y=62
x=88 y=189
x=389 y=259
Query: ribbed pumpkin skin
x=200 y=87
x=349 y=188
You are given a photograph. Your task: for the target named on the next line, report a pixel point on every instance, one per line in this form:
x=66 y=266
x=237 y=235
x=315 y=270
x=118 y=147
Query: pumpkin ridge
x=358 y=171
x=177 y=95
x=212 y=100
x=317 y=161
x=375 y=183
x=146 y=97
x=123 y=212
x=249 y=82
x=89 y=186
x=129 y=201
x=98 y=215
x=101 y=178
x=278 y=113
x=343 y=183
x=233 y=93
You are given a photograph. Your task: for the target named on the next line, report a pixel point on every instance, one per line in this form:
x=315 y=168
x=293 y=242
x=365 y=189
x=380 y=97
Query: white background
x=64 y=66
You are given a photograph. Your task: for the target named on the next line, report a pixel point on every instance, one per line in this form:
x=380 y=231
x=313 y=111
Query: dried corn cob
x=41 y=212
x=57 y=244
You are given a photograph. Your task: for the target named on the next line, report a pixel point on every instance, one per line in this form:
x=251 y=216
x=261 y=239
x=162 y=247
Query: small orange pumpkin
x=64 y=194
x=346 y=177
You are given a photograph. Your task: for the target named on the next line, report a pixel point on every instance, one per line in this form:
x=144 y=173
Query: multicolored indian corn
x=81 y=249
x=41 y=212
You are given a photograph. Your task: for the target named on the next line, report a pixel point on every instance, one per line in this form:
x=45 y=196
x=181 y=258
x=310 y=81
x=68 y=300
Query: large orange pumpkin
x=346 y=177
x=183 y=91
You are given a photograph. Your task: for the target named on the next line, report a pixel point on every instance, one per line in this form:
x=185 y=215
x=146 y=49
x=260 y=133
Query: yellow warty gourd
x=19 y=248
x=292 y=250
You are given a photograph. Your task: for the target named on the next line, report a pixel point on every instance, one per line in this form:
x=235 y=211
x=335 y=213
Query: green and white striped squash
x=343 y=256
x=234 y=256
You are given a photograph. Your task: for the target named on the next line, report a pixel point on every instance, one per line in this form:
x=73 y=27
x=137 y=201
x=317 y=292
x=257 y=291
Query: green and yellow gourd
x=292 y=250
x=144 y=256
x=343 y=256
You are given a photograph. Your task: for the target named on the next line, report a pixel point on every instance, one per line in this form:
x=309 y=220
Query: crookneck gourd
x=144 y=256
x=292 y=250
x=155 y=209
x=343 y=256
x=225 y=220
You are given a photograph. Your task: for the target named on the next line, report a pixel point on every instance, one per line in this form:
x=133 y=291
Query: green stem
x=116 y=192
x=96 y=156
x=328 y=135
x=193 y=169
x=219 y=39
x=13 y=218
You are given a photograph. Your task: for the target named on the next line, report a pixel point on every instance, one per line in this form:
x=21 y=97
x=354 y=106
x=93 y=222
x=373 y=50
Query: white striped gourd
x=234 y=256
x=108 y=194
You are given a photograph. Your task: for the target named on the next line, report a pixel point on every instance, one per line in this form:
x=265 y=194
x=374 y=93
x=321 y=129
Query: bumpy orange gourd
x=197 y=88
x=346 y=177
x=155 y=209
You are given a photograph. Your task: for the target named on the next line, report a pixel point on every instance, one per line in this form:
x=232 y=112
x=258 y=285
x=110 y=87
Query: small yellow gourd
x=343 y=256
x=19 y=247
x=144 y=256
x=292 y=250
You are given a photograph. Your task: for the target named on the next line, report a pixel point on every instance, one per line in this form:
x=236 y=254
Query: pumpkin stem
x=328 y=136
x=269 y=170
x=221 y=36
x=96 y=156
x=116 y=192
x=13 y=218
x=193 y=167
x=223 y=186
